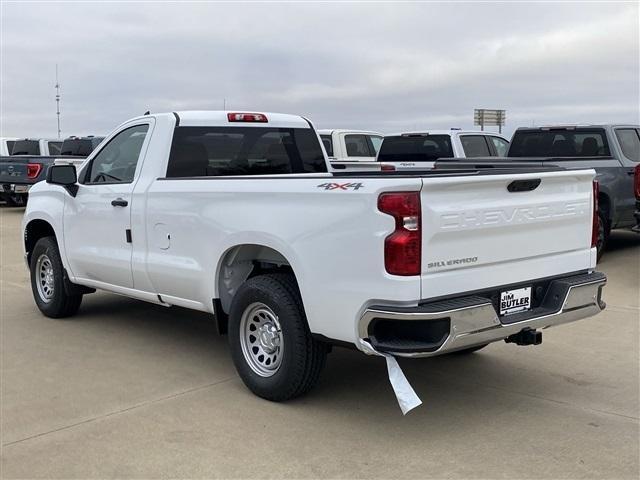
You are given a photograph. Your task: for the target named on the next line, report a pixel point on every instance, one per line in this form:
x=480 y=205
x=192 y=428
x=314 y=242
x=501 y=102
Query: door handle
x=119 y=202
x=631 y=172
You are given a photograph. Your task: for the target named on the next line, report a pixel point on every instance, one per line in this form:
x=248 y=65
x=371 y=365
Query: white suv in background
x=419 y=150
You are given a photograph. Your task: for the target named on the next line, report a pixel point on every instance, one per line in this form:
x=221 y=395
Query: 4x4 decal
x=341 y=186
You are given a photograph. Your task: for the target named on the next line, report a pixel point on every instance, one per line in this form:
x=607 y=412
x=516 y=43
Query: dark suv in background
x=612 y=150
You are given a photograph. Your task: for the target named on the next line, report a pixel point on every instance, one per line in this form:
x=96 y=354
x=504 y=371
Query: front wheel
x=47 y=281
x=271 y=345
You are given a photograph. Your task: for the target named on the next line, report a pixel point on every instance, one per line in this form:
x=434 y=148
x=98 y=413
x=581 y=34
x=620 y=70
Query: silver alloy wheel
x=44 y=278
x=261 y=339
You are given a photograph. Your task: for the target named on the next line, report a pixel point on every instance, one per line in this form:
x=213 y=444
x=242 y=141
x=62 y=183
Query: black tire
x=604 y=230
x=59 y=304
x=469 y=350
x=303 y=357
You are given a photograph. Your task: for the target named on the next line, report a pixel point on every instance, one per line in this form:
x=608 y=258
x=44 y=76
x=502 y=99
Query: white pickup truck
x=236 y=214
x=36 y=146
x=420 y=150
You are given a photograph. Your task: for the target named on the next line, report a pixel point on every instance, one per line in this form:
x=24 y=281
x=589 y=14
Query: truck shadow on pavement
x=351 y=381
x=621 y=240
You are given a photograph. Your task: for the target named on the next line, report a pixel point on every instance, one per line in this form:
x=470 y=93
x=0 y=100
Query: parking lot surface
x=128 y=389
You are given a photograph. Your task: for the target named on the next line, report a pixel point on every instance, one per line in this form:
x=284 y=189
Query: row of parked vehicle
x=24 y=161
x=612 y=150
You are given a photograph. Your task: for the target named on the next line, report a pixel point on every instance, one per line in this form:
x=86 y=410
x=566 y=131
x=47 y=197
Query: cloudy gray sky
x=382 y=66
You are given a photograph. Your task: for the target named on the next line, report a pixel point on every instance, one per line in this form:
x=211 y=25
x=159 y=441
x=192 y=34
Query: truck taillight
x=385 y=167
x=247 y=117
x=403 y=248
x=636 y=182
x=595 y=226
x=33 y=169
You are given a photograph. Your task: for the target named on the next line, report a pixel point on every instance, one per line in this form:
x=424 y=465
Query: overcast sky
x=382 y=66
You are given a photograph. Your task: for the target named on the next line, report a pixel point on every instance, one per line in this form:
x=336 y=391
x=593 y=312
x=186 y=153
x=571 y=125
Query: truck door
x=97 y=222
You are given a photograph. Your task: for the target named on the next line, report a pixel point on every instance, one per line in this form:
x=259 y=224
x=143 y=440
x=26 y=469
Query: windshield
x=26 y=147
x=415 y=148
x=560 y=143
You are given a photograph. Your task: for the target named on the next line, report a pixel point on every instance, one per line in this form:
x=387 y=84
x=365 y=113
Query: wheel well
x=243 y=262
x=35 y=230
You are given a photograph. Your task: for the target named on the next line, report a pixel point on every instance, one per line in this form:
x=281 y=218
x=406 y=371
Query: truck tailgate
x=490 y=230
x=13 y=169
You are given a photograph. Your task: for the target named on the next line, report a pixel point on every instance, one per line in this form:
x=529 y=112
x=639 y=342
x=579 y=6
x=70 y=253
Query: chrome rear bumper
x=473 y=320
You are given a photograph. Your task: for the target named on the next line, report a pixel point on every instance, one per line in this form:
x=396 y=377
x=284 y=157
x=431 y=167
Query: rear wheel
x=47 y=281
x=271 y=345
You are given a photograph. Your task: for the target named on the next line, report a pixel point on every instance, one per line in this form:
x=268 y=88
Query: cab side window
x=501 y=146
x=357 y=146
x=376 y=142
x=117 y=161
x=475 y=146
x=629 y=143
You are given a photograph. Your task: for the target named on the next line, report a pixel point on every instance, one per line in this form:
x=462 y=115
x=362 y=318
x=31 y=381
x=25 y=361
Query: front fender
x=46 y=203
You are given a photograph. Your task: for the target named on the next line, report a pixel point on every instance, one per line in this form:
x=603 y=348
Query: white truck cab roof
x=330 y=131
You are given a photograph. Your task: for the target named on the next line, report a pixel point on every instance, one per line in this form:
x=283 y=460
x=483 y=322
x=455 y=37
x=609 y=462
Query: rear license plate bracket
x=515 y=301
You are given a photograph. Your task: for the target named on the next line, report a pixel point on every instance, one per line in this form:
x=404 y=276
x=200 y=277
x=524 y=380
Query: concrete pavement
x=127 y=389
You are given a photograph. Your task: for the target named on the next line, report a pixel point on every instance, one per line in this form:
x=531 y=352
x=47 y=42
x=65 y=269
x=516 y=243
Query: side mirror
x=65 y=176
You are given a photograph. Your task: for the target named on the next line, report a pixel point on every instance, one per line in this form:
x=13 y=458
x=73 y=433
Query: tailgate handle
x=524 y=185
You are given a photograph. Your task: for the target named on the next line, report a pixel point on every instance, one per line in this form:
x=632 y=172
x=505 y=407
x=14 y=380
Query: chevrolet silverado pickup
x=19 y=172
x=613 y=151
x=238 y=215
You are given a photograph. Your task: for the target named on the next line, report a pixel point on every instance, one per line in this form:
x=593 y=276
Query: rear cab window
x=26 y=147
x=415 y=148
x=558 y=142
x=77 y=147
x=231 y=151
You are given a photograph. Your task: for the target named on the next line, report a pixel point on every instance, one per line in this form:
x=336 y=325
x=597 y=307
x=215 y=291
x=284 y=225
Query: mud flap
x=405 y=394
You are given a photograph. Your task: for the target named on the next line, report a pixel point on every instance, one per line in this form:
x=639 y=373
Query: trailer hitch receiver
x=526 y=336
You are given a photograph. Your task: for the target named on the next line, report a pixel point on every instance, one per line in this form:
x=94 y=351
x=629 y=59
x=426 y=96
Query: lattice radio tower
x=58 y=100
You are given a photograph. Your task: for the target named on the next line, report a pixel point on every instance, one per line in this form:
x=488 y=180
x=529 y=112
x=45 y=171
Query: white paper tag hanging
x=405 y=394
